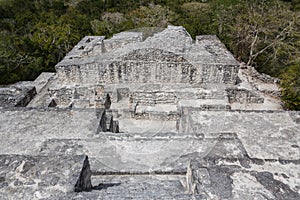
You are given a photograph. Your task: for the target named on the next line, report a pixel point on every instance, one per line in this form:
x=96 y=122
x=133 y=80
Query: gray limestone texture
x=16 y=95
x=148 y=116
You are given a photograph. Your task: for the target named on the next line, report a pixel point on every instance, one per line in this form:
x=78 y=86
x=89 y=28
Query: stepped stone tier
x=148 y=116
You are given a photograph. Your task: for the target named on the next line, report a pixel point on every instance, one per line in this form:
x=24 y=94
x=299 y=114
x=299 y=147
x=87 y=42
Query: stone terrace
x=156 y=117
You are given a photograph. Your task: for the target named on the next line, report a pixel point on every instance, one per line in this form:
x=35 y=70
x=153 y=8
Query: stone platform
x=148 y=117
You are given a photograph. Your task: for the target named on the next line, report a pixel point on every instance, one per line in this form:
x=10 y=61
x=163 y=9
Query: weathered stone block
x=16 y=95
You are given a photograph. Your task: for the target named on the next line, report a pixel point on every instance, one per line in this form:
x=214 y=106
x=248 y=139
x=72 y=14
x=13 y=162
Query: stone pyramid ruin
x=148 y=116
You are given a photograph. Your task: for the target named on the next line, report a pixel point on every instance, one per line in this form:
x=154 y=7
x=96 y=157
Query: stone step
x=156 y=112
x=141 y=186
x=205 y=104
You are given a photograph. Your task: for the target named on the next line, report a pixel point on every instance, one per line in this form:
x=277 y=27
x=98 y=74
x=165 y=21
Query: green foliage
x=151 y=16
x=291 y=87
x=35 y=35
x=196 y=18
x=261 y=34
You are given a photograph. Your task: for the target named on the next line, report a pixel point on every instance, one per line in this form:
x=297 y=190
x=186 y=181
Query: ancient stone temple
x=148 y=116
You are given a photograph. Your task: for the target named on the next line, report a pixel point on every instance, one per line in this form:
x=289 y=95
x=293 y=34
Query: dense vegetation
x=36 y=34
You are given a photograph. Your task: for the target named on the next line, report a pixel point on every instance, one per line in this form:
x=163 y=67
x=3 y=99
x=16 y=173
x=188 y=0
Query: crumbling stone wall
x=147 y=72
x=243 y=96
x=78 y=96
x=129 y=71
x=154 y=97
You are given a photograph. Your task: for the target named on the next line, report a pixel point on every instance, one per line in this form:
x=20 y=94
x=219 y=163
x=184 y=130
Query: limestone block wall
x=210 y=94
x=61 y=97
x=147 y=72
x=153 y=97
x=171 y=116
x=167 y=57
x=128 y=72
x=219 y=73
x=79 y=97
x=243 y=96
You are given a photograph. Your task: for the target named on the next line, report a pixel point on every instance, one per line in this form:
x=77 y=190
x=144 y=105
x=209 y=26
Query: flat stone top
x=126 y=34
x=272 y=135
x=265 y=135
x=85 y=45
x=39 y=83
x=38 y=125
x=245 y=147
x=38 y=177
x=173 y=39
